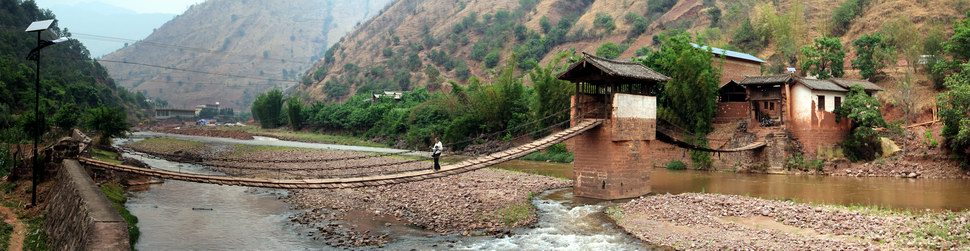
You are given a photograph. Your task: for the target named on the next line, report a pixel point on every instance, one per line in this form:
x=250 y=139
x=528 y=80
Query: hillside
x=427 y=43
x=260 y=44
x=71 y=82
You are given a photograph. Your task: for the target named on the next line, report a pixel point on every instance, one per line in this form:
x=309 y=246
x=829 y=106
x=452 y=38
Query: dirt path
x=19 y=229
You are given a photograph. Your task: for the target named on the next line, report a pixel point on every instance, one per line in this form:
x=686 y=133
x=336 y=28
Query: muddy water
x=914 y=194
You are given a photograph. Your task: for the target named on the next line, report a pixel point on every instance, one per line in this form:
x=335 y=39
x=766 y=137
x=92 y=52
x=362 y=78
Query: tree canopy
x=824 y=58
x=872 y=54
x=863 y=143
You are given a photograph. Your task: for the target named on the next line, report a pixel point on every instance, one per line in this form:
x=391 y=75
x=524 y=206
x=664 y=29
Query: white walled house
x=806 y=107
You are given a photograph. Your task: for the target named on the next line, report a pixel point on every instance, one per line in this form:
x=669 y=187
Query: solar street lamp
x=34 y=55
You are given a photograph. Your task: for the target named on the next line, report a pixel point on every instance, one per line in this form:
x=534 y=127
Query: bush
x=930 y=140
x=294 y=113
x=604 y=22
x=610 y=50
x=676 y=165
x=491 y=60
x=843 y=15
x=638 y=24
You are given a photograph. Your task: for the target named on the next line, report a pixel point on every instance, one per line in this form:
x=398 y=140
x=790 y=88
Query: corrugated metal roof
x=763 y=80
x=729 y=53
x=823 y=85
x=617 y=68
x=848 y=83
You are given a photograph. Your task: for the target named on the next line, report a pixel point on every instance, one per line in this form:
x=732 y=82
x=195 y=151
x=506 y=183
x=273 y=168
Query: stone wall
x=607 y=169
x=79 y=216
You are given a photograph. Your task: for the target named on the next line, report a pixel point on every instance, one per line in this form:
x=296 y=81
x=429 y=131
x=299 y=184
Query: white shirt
x=436 y=149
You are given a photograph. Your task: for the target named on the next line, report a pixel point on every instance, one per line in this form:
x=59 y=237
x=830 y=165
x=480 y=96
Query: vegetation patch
x=116 y=194
x=676 y=165
x=555 y=153
x=36 y=238
x=514 y=214
x=6 y=232
x=105 y=155
x=168 y=145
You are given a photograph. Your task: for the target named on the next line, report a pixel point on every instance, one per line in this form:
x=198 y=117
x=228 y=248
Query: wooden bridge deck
x=332 y=183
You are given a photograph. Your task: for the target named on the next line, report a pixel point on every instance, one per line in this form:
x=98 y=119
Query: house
x=732 y=98
x=167 y=113
x=395 y=95
x=803 y=106
x=736 y=65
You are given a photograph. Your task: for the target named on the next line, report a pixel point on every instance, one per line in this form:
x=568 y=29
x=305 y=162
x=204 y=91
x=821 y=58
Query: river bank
x=481 y=202
x=717 y=222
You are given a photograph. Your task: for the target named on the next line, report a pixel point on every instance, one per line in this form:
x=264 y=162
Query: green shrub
x=676 y=165
x=843 y=15
x=930 y=140
x=491 y=60
x=604 y=22
x=610 y=50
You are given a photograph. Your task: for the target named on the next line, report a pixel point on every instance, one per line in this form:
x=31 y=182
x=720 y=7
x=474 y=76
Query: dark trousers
x=436 y=165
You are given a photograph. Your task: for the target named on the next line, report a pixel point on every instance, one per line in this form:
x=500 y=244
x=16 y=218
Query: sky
x=174 y=7
x=127 y=19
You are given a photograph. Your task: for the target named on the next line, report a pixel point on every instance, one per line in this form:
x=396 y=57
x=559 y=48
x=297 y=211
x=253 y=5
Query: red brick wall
x=730 y=111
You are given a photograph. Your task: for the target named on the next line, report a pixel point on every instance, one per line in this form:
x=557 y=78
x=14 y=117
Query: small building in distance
x=176 y=113
x=804 y=106
x=376 y=96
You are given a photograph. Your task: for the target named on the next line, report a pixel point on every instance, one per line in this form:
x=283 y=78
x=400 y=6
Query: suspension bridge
x=613 y=117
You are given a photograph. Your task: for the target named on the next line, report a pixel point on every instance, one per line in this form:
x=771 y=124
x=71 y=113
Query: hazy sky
x=141 y=6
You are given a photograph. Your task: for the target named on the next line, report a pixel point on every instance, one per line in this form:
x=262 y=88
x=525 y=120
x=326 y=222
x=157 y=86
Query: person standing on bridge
x=436 y=153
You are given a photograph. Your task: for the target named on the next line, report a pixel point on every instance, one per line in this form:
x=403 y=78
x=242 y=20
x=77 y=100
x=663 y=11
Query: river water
x=189 y=216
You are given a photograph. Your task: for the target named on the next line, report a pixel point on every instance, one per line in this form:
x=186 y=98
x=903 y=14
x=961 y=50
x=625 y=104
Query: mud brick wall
x=736 y=69
x=80 y=217
x=731 y=111
x=607 y=169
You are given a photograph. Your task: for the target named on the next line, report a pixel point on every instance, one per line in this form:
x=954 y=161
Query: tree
x=824 y=59
x=954 y=105
x=294 y=113
x=863 y=142
x=959 y=43
x=903 y=34
x=67 y=116
x=604 y=22
x=552 y=94
x=872 y=54
x=689 y=97
x=610 y=50
x=267 y=109
x=107 y=121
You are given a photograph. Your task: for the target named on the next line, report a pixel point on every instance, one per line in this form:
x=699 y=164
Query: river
x=181 y=215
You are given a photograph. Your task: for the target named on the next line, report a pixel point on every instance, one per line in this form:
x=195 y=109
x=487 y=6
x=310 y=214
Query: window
x=838 y=102
x=772 y=105
x=821 y=102
x=766 y=105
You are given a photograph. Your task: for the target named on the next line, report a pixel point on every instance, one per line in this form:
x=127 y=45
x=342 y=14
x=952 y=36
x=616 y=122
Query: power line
x=156 y=44
x=194 y=71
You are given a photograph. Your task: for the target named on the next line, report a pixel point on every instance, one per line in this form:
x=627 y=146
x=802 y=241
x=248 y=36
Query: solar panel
x=40 y=25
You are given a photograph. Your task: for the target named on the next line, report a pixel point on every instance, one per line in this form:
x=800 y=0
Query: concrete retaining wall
x=80 y=217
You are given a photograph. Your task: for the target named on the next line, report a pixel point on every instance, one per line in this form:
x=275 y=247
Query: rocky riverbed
x=717 y=222
x=486 y=201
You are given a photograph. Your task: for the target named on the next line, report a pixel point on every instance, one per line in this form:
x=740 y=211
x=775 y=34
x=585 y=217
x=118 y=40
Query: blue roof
x=727 y=53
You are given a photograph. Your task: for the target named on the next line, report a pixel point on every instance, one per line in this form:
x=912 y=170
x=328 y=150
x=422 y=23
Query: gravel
x=713 y=222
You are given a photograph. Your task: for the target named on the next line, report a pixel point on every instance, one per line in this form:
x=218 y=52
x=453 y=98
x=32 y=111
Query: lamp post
x=38 y=27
